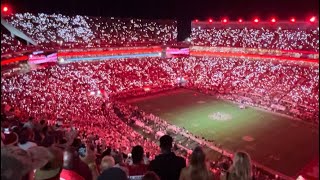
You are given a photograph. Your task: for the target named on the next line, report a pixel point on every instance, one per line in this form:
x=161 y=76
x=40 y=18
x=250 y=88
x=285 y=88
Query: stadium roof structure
x=15 y=32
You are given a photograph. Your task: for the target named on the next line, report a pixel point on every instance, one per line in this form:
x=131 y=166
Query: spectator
x=241 y=168
x=114 y=174
x=138 y=167
x=74 y=167
x=198 y=169
x=29 y=124
x=150 y=176
x=25 y=139
x=167 y=165
x=119 y=162
x=107 y=162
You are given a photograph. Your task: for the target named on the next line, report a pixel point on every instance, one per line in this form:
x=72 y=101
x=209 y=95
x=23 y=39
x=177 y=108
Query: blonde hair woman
x=241 y=168
x=197 y=170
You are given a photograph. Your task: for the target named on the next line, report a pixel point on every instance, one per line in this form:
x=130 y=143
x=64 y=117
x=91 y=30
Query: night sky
x=173 y=9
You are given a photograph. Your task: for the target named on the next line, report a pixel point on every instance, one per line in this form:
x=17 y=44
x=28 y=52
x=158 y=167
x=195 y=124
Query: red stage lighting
x=225 y=20
x=240 y=20
x=313 y=19
x=210 y=20
x=293 y=20
x=196 y=20
x=273 y=20
x=256 y=20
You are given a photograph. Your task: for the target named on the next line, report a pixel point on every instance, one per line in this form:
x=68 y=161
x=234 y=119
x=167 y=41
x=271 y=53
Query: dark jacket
x=167 y=166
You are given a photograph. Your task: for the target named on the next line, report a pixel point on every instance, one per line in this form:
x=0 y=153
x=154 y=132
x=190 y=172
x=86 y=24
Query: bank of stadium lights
x=312 y=19
x=256 y=20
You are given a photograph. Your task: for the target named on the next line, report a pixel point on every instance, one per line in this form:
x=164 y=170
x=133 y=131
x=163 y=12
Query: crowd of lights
x=262 y=38
x=54 y=28
x=299 y=83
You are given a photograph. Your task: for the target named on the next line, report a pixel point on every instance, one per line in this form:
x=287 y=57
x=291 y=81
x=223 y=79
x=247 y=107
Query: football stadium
x=97 y=97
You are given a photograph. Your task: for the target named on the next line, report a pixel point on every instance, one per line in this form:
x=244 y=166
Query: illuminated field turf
x=275 y=141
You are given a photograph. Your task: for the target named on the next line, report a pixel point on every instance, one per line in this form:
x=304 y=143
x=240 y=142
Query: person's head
x=137 y=154
x=150 y=175
x=42 y=122
x=198 y=157
x=113 y=173
x=166 y=143
x=107 y=162
x=25 y=135
x=241 y=166
x=76 y=143
x=118 y=158
x=199 y=169
x=106 y=152
x=30 y=119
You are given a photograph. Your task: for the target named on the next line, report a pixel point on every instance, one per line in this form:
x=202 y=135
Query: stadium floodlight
x=312 y=19
x=210 y=20
x=256 y=20
x=5 y=9
x=293 y=19
x=224 y=20
x=240 y=20
x=273 y=20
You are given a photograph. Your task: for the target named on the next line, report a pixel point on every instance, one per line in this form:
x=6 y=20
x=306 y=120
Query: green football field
x=274 y=141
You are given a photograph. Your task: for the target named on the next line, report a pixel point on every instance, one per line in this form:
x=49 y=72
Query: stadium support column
x=184 y=28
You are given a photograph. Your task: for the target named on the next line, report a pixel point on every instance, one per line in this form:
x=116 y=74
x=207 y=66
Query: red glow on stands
x=293 y=20
x=225 y=20
x=273 y=20
x=312 y=19
x=256 y=20
x=240 y=20
x=210 y=20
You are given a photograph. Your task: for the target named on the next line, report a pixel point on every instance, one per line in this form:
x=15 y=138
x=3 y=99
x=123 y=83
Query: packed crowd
x=264 y=82
x=71 y=149
x=262 y=38
x=10 y=44
x=85 y=31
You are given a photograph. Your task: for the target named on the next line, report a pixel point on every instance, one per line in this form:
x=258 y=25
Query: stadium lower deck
x=282 y=144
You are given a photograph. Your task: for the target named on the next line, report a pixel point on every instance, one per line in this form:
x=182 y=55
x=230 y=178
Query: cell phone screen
x=82 y=151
